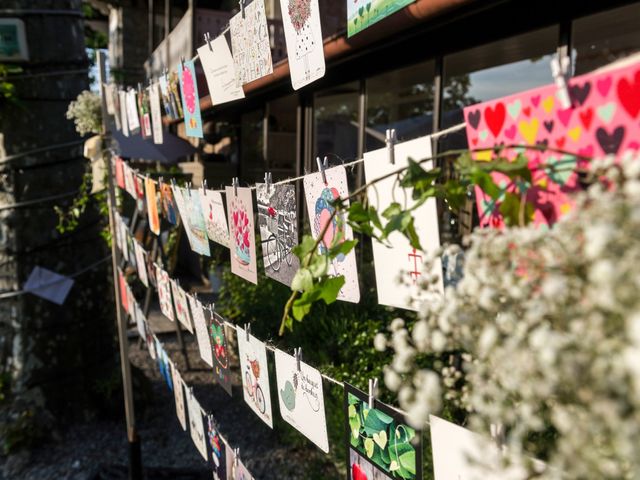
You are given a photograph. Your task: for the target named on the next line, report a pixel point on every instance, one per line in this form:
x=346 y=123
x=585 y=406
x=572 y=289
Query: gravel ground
x=97 y=449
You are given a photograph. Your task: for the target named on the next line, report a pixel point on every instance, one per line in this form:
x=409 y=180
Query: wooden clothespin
x=560 y=64
x=373 y=387
x=297 y=353
x=322 y=166
x=390 y=139
x=267 y=180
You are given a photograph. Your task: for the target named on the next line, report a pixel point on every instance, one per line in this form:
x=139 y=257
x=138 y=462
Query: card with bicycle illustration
x=301 y=398
x=254 y=372
x=278 y=222
x=379 y=440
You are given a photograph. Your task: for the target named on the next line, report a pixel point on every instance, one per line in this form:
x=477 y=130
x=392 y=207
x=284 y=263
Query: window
x=252 y=159
x=336 y=123
x=281 y=137
x=605 y=37
x=402 y=99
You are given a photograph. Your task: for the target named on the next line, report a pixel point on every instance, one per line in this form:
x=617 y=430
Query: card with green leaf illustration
x=242 y=234
x=196 y=423
x=178 y=394
x=301 y=399
x=182 y=305
x=254 y=372
x=164 y=292
x=215 y=220
x=399 y=265
x=200 y=326
x=381 y=437
x=220 y=350
x=190 y=209
x=320 y=196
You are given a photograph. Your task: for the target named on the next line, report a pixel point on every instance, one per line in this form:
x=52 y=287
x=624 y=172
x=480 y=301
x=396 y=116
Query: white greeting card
x=178 y=393
x=124 y=235
x=305 y=48
x=190 y=208
x=278 y=221
x=399 y=268
x=215 y=220
x=301 y=399
x=140 y=322
x=242 y=237
x=132 y=112
x=196 y=423
x=220 y=71
x=255 y=375
x=164 y=293
x=200 y=324
x=129 y=180
x=250 y=42
x=181 y=304
x=461 y=454
x=141 y=263
x=156 y=113
x=122 y=97
x=319 y=196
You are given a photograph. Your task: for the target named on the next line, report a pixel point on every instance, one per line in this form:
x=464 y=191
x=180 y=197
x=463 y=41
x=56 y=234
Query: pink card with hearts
x=604 y=119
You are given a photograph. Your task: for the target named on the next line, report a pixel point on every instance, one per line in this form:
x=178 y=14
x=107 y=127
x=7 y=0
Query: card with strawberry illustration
x=181 y=304
x=164 y=292
x=320 y=195
x=603 y=119
x=301 y=398
x=380 y=438
x=215 y=219
x=219 y=347
x=242 y=237
x=278 y=221
x=190 y=99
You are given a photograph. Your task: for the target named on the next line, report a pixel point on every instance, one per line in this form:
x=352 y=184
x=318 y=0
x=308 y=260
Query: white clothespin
x=560 y=69
x=241 y=2
x=182 y=61
x=189 y=188
x=207 y=40
x=247 y=330
x=297 y=353
x=322 y=166
x=267 y=180
x=234 y=184
x=373 y=387
x=204 y=185
x=390 y=140
x=236 y=455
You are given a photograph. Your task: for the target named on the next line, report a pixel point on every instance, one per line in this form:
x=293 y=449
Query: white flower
x=380 y=342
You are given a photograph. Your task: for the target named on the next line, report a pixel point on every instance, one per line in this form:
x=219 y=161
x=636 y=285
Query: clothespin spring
x=297 y=353
x=373 y=386
x=390 y=140
x=322 y=166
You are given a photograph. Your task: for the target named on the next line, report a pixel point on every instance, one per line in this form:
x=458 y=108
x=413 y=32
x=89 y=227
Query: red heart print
x=633 y=146
x=586 y=116
x=603 y=85
x=586 y=151
x=629 y=94
x=535 y=100
x=565 y=116
x=495 y=117
x=560 y=142
x=357 y=473
x=510 y=132
x=474 y=141
x=527 y=111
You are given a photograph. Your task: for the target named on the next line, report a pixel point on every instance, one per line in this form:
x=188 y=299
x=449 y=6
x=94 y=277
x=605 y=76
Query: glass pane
x=603 y=38
x=335 y=129
x=251 y=146
x=220 y=141
x=402 y=99
x=495 y=70
x=281 y=139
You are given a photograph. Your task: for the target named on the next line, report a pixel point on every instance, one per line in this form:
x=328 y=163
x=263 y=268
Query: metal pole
x=135 y=458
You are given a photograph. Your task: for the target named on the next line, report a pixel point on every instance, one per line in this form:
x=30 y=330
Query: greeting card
x=169 y=207
x=301 y=21
x=181 y=304
x=190 y=99
x=200 y=324
x=242 y=237
x=320 y=196
x=164 y=292
x=278 y=221
x=140 y=193
x=124 y=297
x=250 y=42
x=164 y=363
x=603 y=119
x=152 y=206
x=190 y=208
x=132 y=112
x=196 y=424
x=218 y=337
x=156 y=113
x=119 y=171
x=362 y=14
x=215 y=220
x=124 y=121
x=399 y=266
x=141 y=264
x=380 y=436
x=255 y=375
x=362 y=469
x=301 y=398
x=144 y=112
x=178 y=393
x=218 y=453
x=141 y=322
x=220 y=71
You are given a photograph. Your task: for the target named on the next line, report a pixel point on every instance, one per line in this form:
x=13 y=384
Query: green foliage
x=23 y=431
x=7 y=87
x=5 y=386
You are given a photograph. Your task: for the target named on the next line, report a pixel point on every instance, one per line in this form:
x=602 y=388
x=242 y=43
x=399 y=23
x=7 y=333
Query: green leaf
x=330 y=288
x=342 y=248
x=486 y=183
x=373 y=424
x=319 y=266
x=408 y=461
x=394 y=209
x=305 y=247
x=368 y=447
x=302 y=280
